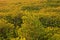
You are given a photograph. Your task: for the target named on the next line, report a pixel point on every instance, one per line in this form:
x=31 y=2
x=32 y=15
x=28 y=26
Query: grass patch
x=31 y=8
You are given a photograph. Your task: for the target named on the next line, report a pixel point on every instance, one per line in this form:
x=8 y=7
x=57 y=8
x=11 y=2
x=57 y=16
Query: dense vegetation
x=30 y=20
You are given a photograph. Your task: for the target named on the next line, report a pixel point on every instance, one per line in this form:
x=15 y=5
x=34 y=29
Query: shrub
x=53 y=21
x=6 y=30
